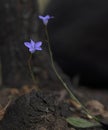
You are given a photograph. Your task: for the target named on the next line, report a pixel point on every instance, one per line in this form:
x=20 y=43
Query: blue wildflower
x=33 y=46
x=45 y=18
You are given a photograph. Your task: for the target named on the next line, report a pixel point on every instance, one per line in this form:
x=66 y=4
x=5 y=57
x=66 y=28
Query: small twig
x=4 y=109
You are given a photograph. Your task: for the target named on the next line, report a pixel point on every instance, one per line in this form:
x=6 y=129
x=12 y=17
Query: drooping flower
x=33 y=46
x=45 y=19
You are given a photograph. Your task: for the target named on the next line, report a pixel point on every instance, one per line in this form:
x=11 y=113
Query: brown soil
x=29 y=109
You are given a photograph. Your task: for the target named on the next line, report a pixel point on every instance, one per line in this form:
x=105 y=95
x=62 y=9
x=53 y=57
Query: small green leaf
x=81 y=123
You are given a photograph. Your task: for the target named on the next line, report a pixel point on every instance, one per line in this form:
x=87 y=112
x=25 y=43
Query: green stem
x=54 y=68
x=64 y=84
x=30 y=69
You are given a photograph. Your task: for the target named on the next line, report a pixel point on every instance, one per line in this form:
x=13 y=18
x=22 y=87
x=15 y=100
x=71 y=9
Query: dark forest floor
x=94 y=99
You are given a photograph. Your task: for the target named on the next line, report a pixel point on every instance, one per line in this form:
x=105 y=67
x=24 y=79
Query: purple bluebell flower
x=33 y=46
x=45 y=19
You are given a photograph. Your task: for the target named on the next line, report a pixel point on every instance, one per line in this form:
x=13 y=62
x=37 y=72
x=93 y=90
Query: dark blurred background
x=78 y=35
x=16 y=25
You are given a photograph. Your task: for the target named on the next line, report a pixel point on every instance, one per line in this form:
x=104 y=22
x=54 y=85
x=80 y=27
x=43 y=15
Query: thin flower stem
x=64 y=84
x=30 y=69
x=54 y=68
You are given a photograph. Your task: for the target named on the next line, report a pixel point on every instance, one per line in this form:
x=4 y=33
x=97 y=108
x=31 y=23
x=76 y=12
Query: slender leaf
x=81 y=123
